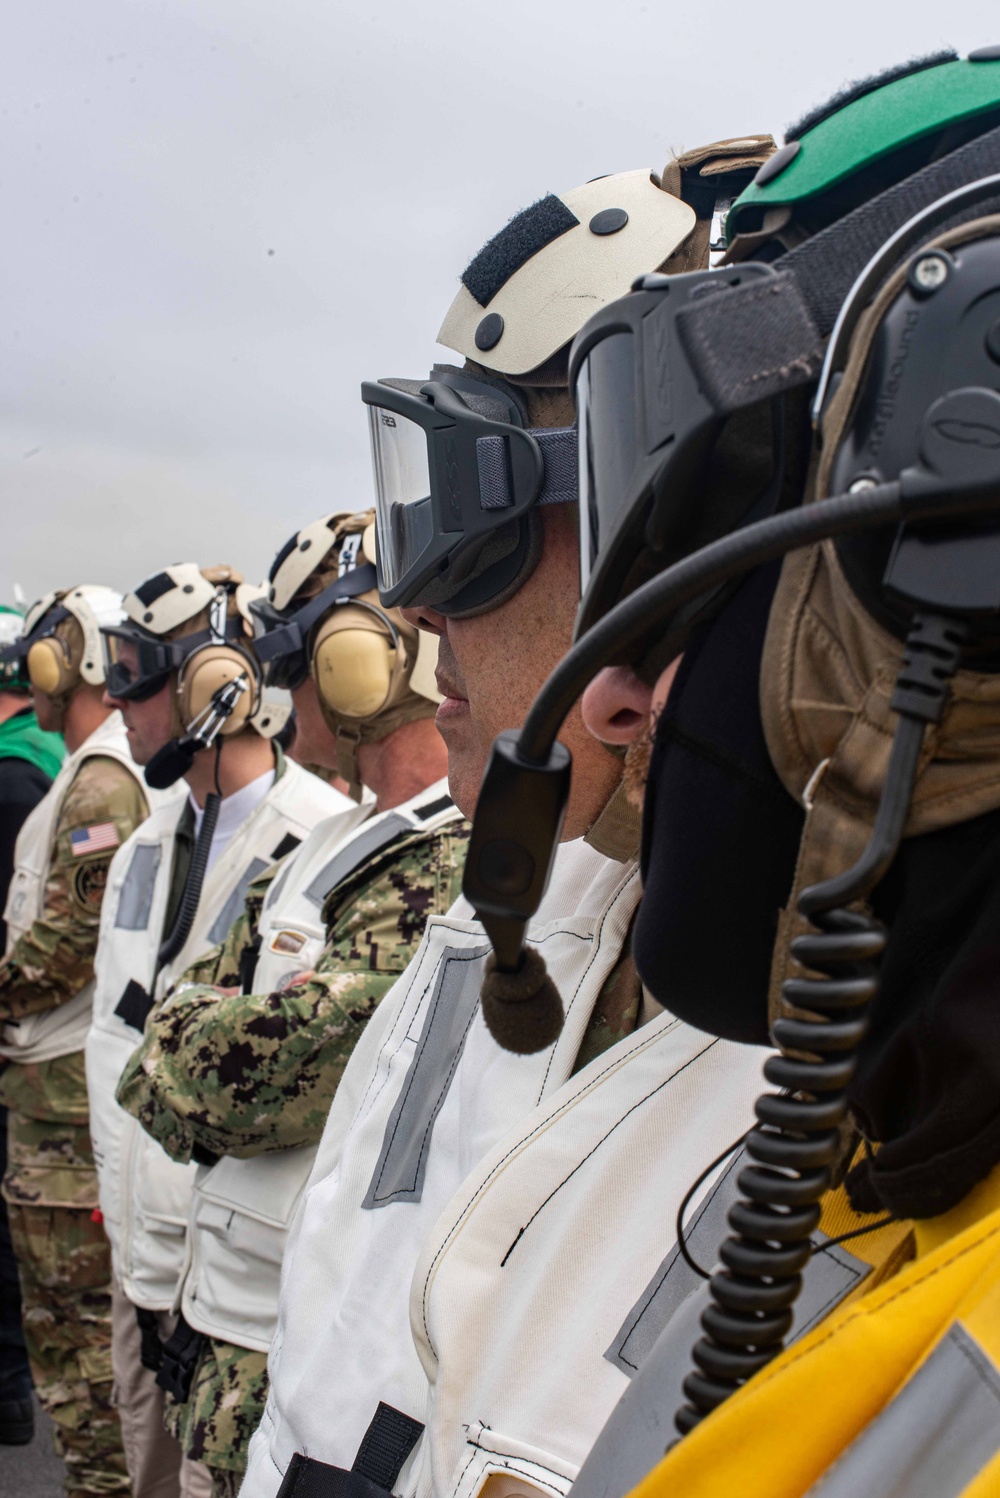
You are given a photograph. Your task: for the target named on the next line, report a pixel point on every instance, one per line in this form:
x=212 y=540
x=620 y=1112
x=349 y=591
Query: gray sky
x=221 y=215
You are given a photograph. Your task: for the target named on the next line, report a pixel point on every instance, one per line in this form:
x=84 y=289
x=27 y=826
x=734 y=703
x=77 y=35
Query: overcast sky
x=221 y=215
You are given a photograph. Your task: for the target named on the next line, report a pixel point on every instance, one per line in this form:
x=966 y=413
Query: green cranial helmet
x=870 y=135
x=13 y=667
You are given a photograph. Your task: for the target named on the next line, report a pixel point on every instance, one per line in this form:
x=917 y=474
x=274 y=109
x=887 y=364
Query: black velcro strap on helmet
x=154 y=588
x=503 y=255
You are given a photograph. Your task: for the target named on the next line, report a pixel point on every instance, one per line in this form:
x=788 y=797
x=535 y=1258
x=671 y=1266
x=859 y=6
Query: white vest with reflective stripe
x=241 y=1209
x=144 y=1194
x=427 y=1095
x=546 y=1280
x=61 y=1031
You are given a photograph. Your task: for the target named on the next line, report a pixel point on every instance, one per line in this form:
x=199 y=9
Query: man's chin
x=465 y=776
x=140 y=754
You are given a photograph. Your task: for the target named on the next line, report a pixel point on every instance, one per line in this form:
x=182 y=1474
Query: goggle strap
x=559 y=454
x=742 y=356
x=18 y=649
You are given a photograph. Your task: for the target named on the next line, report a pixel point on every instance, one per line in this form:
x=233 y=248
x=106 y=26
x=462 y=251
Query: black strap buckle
x=180 y=1358
x=385 y=1447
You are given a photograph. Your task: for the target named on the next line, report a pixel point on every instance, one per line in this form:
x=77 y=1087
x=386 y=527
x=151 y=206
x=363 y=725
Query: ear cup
x=50 y=668
x=354 y=664
x=204 y=673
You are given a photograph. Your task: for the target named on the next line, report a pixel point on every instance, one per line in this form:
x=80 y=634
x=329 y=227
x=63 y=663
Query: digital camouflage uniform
x=245 y=1074
x=51 y=1184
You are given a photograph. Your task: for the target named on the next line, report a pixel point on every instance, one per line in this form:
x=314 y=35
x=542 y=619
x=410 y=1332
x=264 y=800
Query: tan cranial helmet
x=373 y=671
x=191 y=624
x=532 y=287
x=466 y=460
x=61 y=640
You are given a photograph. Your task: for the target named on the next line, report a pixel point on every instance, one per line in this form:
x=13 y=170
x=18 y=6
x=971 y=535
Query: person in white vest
x=243 y=1059
x=181 y=668
x=63 y=851
x=476 y=479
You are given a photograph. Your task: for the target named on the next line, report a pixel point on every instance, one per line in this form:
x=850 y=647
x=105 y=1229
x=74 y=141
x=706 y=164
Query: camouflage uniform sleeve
x=252 y=1073
x=53 y=960
x=222 y=966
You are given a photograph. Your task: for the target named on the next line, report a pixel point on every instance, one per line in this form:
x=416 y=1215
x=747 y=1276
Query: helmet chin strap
x=348 y=744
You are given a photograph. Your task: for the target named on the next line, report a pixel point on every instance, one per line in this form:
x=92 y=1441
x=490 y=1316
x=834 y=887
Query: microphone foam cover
x=522 y=1010
x=169 y=763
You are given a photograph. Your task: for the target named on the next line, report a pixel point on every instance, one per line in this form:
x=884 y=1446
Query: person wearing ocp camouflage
x=46 y=987
x=240 y=1064
x=29 y=761
x=182 y=669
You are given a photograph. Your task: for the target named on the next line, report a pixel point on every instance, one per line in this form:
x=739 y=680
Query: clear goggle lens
x=402 y=492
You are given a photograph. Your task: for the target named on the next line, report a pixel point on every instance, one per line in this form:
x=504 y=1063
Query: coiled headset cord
x=188 y=908
x=795 y=1144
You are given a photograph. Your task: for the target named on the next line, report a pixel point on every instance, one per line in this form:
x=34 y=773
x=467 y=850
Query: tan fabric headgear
x=827 y=677
x=373 y=671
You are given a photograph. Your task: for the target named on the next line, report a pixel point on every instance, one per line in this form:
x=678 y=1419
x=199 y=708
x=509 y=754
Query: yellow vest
x=896 y=1393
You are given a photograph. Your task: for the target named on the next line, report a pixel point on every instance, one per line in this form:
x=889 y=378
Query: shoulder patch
x=88 y=884
x=99 y=839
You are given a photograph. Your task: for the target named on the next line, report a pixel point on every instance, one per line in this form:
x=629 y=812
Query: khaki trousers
x=156 y=1465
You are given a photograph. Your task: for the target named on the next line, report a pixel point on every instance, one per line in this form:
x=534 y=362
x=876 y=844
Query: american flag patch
x=94 y=839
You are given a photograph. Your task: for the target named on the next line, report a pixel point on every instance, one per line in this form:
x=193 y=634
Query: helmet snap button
x=775 y=165
x=489 y=332
x=608 y=221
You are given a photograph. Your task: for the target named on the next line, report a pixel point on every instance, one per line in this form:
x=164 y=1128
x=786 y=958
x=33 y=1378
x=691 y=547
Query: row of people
x=475 y=1178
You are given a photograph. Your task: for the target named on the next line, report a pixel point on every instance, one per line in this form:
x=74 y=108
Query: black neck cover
x=720 y=841
x=720 y=833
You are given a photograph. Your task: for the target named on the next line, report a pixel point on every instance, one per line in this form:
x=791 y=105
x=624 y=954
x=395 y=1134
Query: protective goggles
x=454 y=462
x=646 y=428
x=136 y=665
x=281 y=639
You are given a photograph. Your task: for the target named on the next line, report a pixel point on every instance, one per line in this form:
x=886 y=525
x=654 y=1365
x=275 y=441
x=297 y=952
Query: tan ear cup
x=354 y=663
x=50 y=666
x=204 y=673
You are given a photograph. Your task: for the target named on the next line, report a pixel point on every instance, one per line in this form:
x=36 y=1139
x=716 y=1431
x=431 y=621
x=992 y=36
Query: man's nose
x=616 y=705
x=422 y=617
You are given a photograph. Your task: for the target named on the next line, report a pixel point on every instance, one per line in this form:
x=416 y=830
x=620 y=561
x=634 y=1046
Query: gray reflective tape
x=274 y=892
x=934 y=1438
x=234 y=905
x=399 y=1172
x=659 y=1332
x=363 y=846
x=674 y=1280
x=828 y=1277
x=136 y=899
